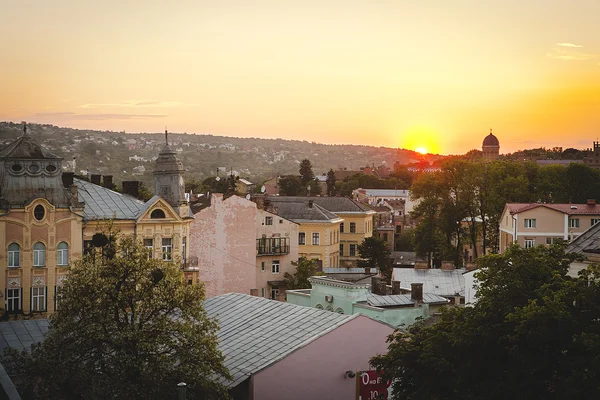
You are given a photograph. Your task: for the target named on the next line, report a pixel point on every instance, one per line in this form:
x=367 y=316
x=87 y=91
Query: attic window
x=156 y=214
x=39 y=212
x=50 y=168
x=16 y=168
x=34 y=168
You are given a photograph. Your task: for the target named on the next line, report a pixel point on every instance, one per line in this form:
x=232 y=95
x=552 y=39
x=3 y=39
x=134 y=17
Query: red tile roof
x=569 y=209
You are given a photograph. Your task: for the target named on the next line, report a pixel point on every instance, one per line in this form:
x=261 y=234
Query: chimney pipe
x=375 y=285
x=67 y=178
x=416 y=292
x=95 y=179
x=310 y=204
x=107 y=181
x=131 y=188
x=395 y=287
x=591 y=202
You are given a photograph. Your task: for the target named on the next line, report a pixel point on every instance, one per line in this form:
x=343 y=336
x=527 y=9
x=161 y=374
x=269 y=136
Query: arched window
x=62 y=252
x=39 y=212
x=329 y=308
x=339 y=311
x=39 y=255
x=320 y=307
x=14 y=255
x=157 y=214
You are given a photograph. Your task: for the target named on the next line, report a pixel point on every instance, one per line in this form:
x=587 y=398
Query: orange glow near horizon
x=422 y=139
x=421 y=150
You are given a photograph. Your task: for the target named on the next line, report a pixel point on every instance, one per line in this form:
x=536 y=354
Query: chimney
x=67 y=178
x=416 y=292
x=259 y=199
x=395 y=287
x=591 y=202
x=131 y=188
x=107 y=181
x=253 y=292
x=95 y=179
x=375 y=285
x=310 y=204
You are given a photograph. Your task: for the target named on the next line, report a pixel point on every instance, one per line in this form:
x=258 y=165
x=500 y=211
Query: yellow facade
x=356 y=227
x=320 y=240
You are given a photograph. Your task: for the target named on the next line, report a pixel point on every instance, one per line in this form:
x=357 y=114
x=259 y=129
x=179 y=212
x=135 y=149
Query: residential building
x=276 y=249
x=276 y=349
x=397 y=309
x=318 y=228
x=244 y=186
x=48 y=218
x=448 y=283
x=377 y=196
x=490 y=147
x=223 y=244
x=592 y=156
x=532 y=224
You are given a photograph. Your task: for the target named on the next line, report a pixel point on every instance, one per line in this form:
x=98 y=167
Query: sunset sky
x=433 y=74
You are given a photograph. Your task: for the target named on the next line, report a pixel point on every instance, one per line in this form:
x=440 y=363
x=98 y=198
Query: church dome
x=491 y=140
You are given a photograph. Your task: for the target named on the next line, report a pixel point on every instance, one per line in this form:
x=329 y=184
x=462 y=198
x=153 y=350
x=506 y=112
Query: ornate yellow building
x=48 y=218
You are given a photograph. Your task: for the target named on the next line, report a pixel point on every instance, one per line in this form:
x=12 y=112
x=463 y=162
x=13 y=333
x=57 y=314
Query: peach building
x=531 y=224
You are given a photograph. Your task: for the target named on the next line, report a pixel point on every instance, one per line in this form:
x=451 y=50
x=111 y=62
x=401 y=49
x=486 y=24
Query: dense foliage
x=374 y=253
x=534 y=333
x=127 y=328
x=305 y=268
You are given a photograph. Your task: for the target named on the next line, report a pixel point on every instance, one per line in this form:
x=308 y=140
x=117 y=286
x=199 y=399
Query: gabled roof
x=103 y=203
x=436 y=281
x=25 y=148
x=397 y=300
x=22 y=334
x=587 y=242
x=333 y=204
x=256 y=332
x=299 y=210
x=569 y=209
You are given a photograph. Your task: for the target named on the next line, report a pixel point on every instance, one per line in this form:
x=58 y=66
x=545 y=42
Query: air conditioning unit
x=329 y=299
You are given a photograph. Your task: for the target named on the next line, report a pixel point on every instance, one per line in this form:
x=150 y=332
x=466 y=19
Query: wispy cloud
x=568 y=45
x=569 y=54
x=134 y=104
x=96 y=117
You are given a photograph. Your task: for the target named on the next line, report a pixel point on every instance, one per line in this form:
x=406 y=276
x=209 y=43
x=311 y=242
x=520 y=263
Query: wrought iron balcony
x=272 y=246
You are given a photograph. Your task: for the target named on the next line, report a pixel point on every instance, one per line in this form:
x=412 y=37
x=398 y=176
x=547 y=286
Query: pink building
x=223 y=245
x=278 y=350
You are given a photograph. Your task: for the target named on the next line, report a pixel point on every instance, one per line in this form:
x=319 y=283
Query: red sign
x=371 y=386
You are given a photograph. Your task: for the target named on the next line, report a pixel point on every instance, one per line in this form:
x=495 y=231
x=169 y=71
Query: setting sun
x=421 y=138
x=421 y=150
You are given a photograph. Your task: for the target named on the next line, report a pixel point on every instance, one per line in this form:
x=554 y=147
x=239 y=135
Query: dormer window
x=157 y=214
x=39 y=212
x=16 y=168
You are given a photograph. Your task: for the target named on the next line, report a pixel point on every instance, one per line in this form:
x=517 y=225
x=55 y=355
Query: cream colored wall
x=328 y=249
x=364 y=229
x=285 y=229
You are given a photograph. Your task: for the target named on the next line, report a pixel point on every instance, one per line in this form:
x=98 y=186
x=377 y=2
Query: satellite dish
x=217 y=179
x=263 y=189
x=248 y=196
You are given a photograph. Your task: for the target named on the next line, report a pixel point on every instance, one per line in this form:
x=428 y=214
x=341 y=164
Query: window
x=274 y=294
x=352 y=227
x=38 y=299
x=39 y=255
x=14 y=255
x=398 y=228
x=275 y=266
x=183 y=247
x=316 y=239
x=262 y=292
x=149 y=245
x=39 y=212
x=13 y=299
x=268 y=220
x=595 y=221
x=341 y=249
x=262 y=267
x=529 y=243
x=352 y=250
x=157 y=214
x=167 y=249
x=342 y=227
x=552 y=240
x=281 y=221
x=574 y=223
x=88 y=247
x=62 y=253
x=529 y=222
x=301 y=238
x=385 y=237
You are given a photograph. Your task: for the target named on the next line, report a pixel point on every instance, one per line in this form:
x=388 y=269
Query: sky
x=431 y=74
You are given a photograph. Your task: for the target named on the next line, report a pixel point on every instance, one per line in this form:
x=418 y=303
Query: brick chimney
x=67 y=178
x=375 y=286
x=416 y=292
x=107 y=182
x=131 y=188
x=591 y=202
x=95 y=179
x=395 y=287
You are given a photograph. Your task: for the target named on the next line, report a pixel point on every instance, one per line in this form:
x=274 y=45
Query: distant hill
x=130 y=156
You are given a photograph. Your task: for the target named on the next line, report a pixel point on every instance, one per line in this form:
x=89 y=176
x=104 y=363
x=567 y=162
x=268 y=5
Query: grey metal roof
x=103 y=203
x=587 y=242
x=299 y=210
x=436 y=281
x=22 y=334
x=333 y=204
x=386 y=192
x=397 y=300
x=256 y=332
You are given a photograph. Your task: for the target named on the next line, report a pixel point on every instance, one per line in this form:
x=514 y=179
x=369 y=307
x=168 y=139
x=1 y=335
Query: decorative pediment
x=157 y=209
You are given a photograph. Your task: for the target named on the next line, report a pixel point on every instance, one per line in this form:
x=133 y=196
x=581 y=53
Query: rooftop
x=384 y=192
x=22 y=334
x=435 y=281
x=569 y=209
x=103 y=203
x=333 y=204
x=587 y=242
x=398 y=300
x=299 y=209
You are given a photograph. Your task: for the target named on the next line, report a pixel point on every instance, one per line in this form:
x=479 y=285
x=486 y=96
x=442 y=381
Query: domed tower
x=490 y=147
x=168 y=177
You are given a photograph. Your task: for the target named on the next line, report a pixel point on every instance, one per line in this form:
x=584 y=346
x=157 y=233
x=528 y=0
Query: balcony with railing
x=272 y=246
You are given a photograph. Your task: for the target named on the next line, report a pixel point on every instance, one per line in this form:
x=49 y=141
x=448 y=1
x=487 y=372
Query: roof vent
x=591 y=202
x=573 y=207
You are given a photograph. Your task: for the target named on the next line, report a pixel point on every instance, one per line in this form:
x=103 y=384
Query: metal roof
x=435 y=281
x=385 y=192
x=22 y=334
x=256 y=332
x=587 y=242
x=565 y=208
x=299 y=210
x=332 y=204
x=103 y=203
x=396 y=300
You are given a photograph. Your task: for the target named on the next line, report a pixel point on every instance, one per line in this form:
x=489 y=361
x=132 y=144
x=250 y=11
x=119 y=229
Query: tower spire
x=490 y=131
x=166 y=138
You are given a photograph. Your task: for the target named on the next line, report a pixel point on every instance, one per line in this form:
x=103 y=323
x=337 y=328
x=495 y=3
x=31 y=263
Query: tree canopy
x=305 y=268
x=374 y=253
x=306 y=172
x=127 y=327
x=331 y=189
x=534 y=333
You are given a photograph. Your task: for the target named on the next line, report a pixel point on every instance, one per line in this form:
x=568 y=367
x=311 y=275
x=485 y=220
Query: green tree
x=374 y=253
x=127 y=327
x=289 y=185
x=331 y=189
x=305 y=268
x=534 y=333
x=306 y=172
